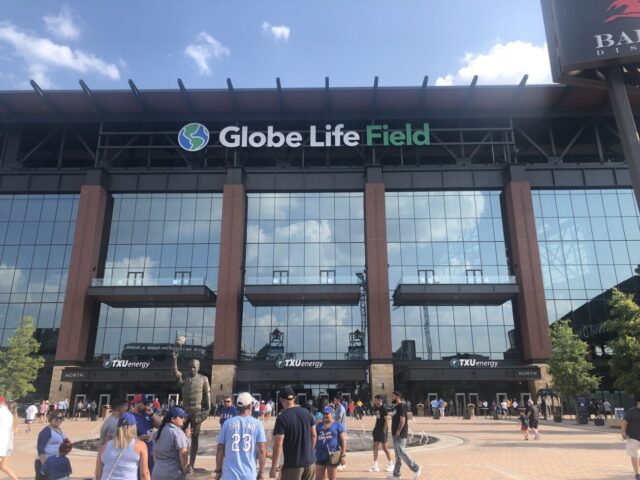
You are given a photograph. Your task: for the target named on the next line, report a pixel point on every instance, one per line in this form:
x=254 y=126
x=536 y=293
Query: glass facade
x=448 y=237
x=160 y=239
x=589 y=242
x=302 y=238
x=36 y=238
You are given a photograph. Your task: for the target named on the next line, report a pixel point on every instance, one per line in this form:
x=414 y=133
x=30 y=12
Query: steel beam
x=185 y=96
x=137 y=96
x=92 y=99
x=626 y=125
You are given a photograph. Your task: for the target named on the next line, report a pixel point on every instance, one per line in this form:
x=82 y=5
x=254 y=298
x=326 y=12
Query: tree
x=568 y=365
x=19 y=363
x=624 y=324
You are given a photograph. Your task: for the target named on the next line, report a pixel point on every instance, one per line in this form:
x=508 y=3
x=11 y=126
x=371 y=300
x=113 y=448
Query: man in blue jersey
x=229 y=410
x=240 y=442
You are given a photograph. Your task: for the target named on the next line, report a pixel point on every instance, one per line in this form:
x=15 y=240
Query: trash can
x=599 y=421
x=557 y=414
x=470 y=411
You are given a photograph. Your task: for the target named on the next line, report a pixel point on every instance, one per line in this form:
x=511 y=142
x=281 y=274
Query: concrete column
x=381 y=379
x=545 y=381
x=229 y=296
x=222 y=380
x=525 y=257
x=59 y=390
x=378 y=306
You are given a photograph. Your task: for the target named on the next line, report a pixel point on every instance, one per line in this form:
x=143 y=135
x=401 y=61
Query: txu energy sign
x=195 y=136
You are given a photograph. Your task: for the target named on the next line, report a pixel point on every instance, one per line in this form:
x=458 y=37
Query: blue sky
x=253 y=42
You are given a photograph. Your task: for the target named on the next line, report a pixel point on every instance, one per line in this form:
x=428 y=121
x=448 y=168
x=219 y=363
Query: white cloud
x=64 y=25
x=43 y=55
x=504 y=64
x=204 y=50
x=278 y=32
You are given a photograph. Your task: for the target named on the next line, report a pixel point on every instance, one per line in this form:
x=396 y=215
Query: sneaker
x=393 y=476
x=416 y=475
x=374 y=468
x=637 y=476
x=342 y=467
x=390 y=467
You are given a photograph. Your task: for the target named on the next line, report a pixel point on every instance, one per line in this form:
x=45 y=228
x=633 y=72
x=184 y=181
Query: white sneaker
x=390 y=468
x=416 y=475
x=342 y=467
x=374 y=468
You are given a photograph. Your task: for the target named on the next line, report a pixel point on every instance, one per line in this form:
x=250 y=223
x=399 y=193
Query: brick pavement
x=477 y=449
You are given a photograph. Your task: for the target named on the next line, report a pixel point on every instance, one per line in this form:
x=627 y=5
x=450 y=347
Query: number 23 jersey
x=240 y=436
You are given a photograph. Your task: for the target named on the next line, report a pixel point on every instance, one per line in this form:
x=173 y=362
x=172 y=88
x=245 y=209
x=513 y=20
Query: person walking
x=340 y=412
x=58 y=467
x=228 y=411
x=44 y=409
x=30 y=415
x=524 y=423
x=400 y=431
x=124 y=457
x=49 y=440
x=7 y=429
x=171 y=447
x=241 y=439
x=441 y=407
x=630 y=430
x=331 y=445
x=607 y=408
x=534 y=416
x=294 y=436
x=110 y=424
x=380 y=430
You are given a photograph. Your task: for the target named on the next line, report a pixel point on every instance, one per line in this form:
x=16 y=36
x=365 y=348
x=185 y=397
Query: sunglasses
x=58 y=418
x=227 y=401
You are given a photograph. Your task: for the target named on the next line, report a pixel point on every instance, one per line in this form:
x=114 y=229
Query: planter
x=599 y=422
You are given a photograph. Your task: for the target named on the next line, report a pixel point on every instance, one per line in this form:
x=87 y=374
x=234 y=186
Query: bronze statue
x=196 y=401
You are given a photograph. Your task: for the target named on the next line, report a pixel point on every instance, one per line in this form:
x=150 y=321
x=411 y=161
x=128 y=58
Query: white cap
x=245 y=400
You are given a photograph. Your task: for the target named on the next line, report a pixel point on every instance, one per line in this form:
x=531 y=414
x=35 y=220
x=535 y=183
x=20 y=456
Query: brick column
x=229 y=296
x=525 y=257
x=378 y=307
x=76 y=324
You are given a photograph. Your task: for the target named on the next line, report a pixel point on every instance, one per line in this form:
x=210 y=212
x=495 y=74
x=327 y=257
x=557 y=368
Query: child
x=58 y=467
x=524 y=424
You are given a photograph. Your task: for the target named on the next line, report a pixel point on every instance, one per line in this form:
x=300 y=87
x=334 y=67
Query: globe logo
x=193 y=137
x=280 y=363
x=455 y=363
x=107 y=364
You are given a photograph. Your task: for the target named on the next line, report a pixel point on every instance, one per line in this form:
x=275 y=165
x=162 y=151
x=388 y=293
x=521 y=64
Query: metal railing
x=458 y=280
x=301 y=280
x=148 y=282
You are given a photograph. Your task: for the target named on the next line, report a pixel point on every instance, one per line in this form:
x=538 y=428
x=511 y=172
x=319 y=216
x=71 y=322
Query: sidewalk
x=477 y=449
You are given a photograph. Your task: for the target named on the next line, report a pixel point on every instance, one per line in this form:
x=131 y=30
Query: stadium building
x=340 y=240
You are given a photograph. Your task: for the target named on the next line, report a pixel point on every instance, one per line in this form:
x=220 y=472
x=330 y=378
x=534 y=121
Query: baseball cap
x=126 y=420
x=287 y=393
x=176 y=412
x=245 y=399
x=327 y=409
x=142 y=398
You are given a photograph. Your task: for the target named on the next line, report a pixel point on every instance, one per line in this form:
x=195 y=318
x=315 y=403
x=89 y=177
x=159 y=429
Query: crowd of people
x=148 y=440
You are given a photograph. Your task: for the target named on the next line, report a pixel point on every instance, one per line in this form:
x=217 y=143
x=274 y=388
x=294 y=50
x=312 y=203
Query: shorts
x=28 y=421
x=299 y=473
x=524 y=428
x=325 y=463
x=533 y=424
x=380 y=437
x=633 y=447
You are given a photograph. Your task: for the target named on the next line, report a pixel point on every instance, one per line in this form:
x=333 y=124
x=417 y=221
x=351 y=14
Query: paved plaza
x=477 y=449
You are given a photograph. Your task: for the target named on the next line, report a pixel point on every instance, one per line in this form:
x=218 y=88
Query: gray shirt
x=165 y=450
x=108 y=429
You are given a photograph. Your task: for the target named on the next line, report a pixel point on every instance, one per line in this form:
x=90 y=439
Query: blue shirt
x=340 y=415
x=144 y=423
x=56 y=467
x=240 y=436
x=228 y=412
x=328 y=440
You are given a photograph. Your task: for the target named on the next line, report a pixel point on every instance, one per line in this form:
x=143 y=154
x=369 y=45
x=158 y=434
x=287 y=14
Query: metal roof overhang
x=408 y=294
x=323 y=294
x=154 y=296
x=435 y=373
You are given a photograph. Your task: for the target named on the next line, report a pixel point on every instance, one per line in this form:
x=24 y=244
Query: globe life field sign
x=192 y=137
x=587 y=34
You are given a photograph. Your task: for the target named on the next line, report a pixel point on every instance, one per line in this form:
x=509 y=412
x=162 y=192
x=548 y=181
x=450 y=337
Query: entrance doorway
x=524 y=399
x=79 y=398
x=103 y=399
x=500 y=397
x=174 y=399
x=430 y=398
x=461 y=404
